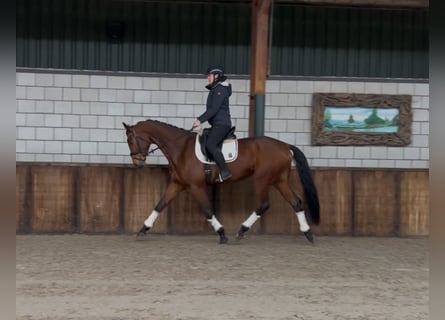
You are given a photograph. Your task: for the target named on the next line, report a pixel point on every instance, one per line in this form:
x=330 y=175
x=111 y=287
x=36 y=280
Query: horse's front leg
x=201 y=196
x=170 y=193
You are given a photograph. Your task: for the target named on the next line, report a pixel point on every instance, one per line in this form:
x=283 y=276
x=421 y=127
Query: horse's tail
x=310 y=191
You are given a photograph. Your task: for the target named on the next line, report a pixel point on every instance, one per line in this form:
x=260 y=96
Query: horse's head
x=138 y=146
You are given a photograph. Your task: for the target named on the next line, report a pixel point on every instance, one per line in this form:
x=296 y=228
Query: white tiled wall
x=77 y=118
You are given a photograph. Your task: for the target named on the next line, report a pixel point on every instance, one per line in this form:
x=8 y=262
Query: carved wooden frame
x=343 y=138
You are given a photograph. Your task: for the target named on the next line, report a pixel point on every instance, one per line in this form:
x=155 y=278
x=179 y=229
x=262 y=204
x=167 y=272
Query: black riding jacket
x=217 y=108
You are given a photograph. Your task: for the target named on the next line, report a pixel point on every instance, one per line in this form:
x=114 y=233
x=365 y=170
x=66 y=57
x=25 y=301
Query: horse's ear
x=126 y=126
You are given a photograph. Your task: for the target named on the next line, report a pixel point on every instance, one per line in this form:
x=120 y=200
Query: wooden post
x=258 y=70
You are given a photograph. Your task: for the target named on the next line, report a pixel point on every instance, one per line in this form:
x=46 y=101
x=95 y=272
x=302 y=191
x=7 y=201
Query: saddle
x=229 y=146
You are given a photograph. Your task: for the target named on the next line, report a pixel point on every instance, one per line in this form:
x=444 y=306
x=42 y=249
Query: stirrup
x=227 y=176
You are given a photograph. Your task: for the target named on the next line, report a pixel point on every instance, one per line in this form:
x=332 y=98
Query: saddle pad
x=229 y=150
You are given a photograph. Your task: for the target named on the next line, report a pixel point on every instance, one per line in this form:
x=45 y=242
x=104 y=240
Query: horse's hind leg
x=170 y=193
x=262 y=196
x=296 y=203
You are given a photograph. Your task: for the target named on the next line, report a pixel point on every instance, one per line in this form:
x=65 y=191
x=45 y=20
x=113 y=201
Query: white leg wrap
x=251 y=220
x=302 y=221
x=151 y=219
x=215 y=223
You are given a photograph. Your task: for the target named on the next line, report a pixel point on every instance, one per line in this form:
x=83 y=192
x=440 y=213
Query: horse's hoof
x=143 y=231
x=222 y=236
x=241 y=233
x=309 y=236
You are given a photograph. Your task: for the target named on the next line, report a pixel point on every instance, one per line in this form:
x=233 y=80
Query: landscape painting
x=361 y=119
x=346 y=119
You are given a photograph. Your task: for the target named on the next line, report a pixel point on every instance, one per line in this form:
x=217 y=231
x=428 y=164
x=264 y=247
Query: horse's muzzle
x=139 y=165
x=138 y=162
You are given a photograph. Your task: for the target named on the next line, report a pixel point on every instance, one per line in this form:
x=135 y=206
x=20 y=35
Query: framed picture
x=346 y=119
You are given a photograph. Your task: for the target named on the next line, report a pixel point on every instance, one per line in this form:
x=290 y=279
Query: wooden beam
x=260 y=41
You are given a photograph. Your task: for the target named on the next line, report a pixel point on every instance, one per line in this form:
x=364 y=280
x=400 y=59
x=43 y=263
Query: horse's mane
x=168 y=125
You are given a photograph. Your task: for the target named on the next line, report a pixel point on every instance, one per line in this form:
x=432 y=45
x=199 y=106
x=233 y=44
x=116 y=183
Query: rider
x=218 y=115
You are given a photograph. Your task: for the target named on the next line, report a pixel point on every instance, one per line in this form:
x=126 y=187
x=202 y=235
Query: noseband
x=139 y=150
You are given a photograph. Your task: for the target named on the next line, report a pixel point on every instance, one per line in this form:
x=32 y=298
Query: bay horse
x=267 y=159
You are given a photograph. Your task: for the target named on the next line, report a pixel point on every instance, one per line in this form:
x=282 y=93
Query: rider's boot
x=224 y=173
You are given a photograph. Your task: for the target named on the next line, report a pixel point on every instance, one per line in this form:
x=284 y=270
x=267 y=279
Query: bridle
x=137 y=138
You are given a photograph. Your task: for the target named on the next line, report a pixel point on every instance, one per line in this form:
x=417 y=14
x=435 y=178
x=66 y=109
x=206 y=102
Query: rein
x=153 y=150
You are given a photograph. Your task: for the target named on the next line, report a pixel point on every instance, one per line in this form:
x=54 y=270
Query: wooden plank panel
x=22 y=223
x=186 y=216
x=335 y=195
x=236 y=203
x=99 y=199
x=52 y=200
x=414 y=203
x=143 y=189
x=374 y=203
x=359 y=202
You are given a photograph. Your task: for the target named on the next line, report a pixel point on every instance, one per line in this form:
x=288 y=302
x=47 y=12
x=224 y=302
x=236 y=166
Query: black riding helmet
x=216 y=69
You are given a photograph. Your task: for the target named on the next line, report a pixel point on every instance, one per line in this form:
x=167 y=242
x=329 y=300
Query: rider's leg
x=214 y=140
x=224 y=172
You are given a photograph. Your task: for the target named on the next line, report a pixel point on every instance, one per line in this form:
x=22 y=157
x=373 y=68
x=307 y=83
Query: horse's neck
x=169 y=139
